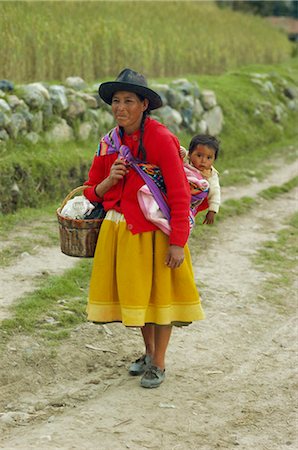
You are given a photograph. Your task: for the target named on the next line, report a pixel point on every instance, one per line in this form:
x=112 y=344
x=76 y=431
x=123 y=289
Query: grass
x=42 y=173
x=31 y=227
x=22 y=245
x=20 y=219
x=275 y=191
x=233 y=207
x=85 y=38
x=248 y=139
x=54 y=307
x=279 y=258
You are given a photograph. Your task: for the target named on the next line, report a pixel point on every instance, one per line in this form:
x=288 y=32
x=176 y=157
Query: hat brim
x=107 y=90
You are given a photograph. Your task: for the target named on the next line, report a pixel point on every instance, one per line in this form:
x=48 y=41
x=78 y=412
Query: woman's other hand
x=175 y=257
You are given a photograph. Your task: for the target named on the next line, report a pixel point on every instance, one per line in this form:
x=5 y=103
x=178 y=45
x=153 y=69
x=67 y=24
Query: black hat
x=129 y=80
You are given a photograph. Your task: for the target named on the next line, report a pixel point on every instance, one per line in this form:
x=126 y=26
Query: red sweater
x=162 y=149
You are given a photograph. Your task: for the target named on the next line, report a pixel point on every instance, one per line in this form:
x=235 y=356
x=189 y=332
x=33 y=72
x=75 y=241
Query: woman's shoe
x=140 y=365
x=153 y=377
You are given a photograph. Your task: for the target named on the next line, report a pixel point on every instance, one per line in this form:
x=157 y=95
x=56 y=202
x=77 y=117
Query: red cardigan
x=162 y=149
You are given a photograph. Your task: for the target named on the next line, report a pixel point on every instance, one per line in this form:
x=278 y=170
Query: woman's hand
x=175 y=257
x=118 y=171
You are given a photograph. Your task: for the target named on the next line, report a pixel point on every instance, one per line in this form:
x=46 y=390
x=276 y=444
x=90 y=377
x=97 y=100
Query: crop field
x=52 y=40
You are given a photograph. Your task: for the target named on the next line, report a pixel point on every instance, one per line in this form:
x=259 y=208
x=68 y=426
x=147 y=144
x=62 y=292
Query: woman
x=141 y=277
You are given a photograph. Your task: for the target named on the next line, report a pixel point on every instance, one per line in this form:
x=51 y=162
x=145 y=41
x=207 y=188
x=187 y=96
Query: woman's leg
x=155 y=374
x=141 y=364
x=148 y=332
x=156 y=339
x=162 y=334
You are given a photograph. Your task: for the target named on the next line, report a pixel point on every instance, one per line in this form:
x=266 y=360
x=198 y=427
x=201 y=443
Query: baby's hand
x=209 y=219
x=203 y=185
x=182 y=152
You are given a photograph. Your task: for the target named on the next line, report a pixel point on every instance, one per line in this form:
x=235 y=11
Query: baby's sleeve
x=214 y=196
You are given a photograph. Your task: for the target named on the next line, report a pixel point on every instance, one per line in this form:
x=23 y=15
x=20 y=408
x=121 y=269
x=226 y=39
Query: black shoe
x=140 y=365
x=153 y=377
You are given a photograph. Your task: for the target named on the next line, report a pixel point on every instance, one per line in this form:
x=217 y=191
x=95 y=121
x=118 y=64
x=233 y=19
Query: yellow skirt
x=130 y=282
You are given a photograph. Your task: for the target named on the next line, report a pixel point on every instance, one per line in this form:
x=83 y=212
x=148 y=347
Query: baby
x=203 y=182
x=202 y=152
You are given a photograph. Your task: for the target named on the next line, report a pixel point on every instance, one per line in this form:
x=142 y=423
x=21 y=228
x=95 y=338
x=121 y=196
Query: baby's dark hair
x=204 y=139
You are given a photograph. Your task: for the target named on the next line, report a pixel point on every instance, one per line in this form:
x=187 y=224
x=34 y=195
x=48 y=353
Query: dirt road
x=230 y=379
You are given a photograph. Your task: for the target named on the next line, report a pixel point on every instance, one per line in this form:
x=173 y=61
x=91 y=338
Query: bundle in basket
x=78 y=237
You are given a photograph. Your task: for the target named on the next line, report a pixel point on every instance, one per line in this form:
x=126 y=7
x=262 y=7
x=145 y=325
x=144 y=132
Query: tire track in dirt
x=279 y=176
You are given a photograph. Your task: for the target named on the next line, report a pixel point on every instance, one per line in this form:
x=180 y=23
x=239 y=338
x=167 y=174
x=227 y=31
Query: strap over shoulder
x=110 y=143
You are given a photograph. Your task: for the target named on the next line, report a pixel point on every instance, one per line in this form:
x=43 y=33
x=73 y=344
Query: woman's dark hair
x=204 y=139
x=141 y=150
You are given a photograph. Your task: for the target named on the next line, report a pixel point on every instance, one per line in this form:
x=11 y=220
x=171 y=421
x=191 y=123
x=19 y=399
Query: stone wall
x=40 y=112
x=55 y=113
x=73 y=110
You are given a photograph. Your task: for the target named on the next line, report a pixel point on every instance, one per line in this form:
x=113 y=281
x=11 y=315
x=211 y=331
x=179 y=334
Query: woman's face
x=128 y=110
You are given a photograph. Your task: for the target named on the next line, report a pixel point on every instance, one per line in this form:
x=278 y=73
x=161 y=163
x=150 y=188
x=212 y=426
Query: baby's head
x=203 y=151
x=206 y=141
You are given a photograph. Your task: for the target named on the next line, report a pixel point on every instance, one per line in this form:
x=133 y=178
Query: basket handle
x=71 y=194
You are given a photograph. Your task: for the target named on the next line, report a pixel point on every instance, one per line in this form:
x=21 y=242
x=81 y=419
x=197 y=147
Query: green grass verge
x=54 y=307
x=26 y=230
x=43 y=173
x=279 y=258
x=275 y=191
x=233 y=207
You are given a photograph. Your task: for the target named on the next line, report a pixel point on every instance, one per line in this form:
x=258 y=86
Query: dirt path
x=20 y=278
x=230 y=379
x=279 y=176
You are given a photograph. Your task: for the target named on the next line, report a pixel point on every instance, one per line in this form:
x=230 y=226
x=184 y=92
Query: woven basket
x=78 y=237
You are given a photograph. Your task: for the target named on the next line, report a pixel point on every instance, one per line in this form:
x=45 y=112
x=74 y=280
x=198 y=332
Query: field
x=98 y=38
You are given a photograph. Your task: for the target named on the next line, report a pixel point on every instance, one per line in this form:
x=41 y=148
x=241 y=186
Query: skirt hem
x=131 y=317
